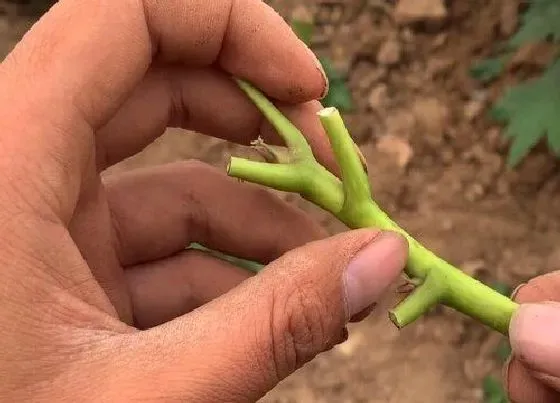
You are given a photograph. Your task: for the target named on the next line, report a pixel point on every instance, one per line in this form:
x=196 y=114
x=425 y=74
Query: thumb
x=535 y=337
x=240 y=345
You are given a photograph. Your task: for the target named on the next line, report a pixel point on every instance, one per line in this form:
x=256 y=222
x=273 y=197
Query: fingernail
x=373 y=270
x=323 y=74
x=535 y=336
x=364 y=313
x=516 y=291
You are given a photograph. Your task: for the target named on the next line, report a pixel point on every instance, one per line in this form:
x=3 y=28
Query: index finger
x=78 y=64
x=94 y=52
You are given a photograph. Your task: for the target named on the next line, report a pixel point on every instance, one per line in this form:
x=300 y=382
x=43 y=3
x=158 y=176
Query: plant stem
x=289 y=133
x=350 y=201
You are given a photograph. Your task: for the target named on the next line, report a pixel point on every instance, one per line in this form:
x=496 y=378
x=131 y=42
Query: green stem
x=423 y=298
x=350 y=201
x=354 y=178
x=291 y=135
x=311 y=180
x=282 y=177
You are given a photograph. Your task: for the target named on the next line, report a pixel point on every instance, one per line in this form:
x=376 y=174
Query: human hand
x=99 y=299
x=533 y=373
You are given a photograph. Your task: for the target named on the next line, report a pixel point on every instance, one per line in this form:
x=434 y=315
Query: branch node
x=271 y=153
x=283 y=177
x=291 y=135
x=419 y=302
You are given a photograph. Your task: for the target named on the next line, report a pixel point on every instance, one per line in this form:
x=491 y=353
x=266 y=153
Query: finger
x=171 y=287
x=159 y=211
x=246 y=38
x=204 y=100
x=523 y=387
x=273 y=323
x=541 y=288
x=529 y=385
x=535 y=337
x=57 y=89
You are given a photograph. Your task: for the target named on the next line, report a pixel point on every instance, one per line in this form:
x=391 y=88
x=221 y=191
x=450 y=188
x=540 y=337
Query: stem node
x=423 y=299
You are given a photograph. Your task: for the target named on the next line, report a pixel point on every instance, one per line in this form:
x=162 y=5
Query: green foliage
x=493 y=391
x=529 y=111
x=303 y=29
x=339 y=95
x=503 y=351
x=502 y=288
x=489 y=69
x=492 y=388
x=540 y=22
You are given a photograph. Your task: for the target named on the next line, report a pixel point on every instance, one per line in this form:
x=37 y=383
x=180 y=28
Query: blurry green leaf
x=493 y=391
x=504 y=350
x=303 y=29
x=330 y=70
x=488 y=69
x=538 y=23
x=242 y=263
x=502 y=288
x=339 y=95
x=531 y=111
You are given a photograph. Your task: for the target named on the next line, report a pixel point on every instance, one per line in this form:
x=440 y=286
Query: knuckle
x=300 y=328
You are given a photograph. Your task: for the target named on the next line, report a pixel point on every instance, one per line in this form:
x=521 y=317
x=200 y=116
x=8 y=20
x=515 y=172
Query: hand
x=99 y=298
x=533 y=373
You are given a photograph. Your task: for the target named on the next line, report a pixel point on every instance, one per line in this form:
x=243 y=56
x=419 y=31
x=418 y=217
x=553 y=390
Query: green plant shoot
x=530 y=110
x=349 y=199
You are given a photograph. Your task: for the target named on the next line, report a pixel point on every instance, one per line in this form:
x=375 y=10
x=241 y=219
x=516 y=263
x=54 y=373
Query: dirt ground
x=437 y=165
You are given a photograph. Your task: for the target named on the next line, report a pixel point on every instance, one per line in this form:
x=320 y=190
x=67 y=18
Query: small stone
x=439 y=65
x=432 y=115
x=399 y=148
x=407 y=35
x=509 y=17
x=425 y=11
x=389 y=53
x=473 y=267
x=473 y=109
x=302 y=13
x=350 y=346
x=474 y=192
x=336 y=15
x=447 y=155
x=377 y=97
x=341 y=59
x=439 y=40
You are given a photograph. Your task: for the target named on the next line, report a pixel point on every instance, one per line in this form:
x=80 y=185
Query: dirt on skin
x=436 y=163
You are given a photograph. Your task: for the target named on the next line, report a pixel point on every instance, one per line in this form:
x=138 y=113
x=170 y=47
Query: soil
x=436 y=163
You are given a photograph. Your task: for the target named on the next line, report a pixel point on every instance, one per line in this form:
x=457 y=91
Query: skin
x=99 y=299
x=532 y=374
